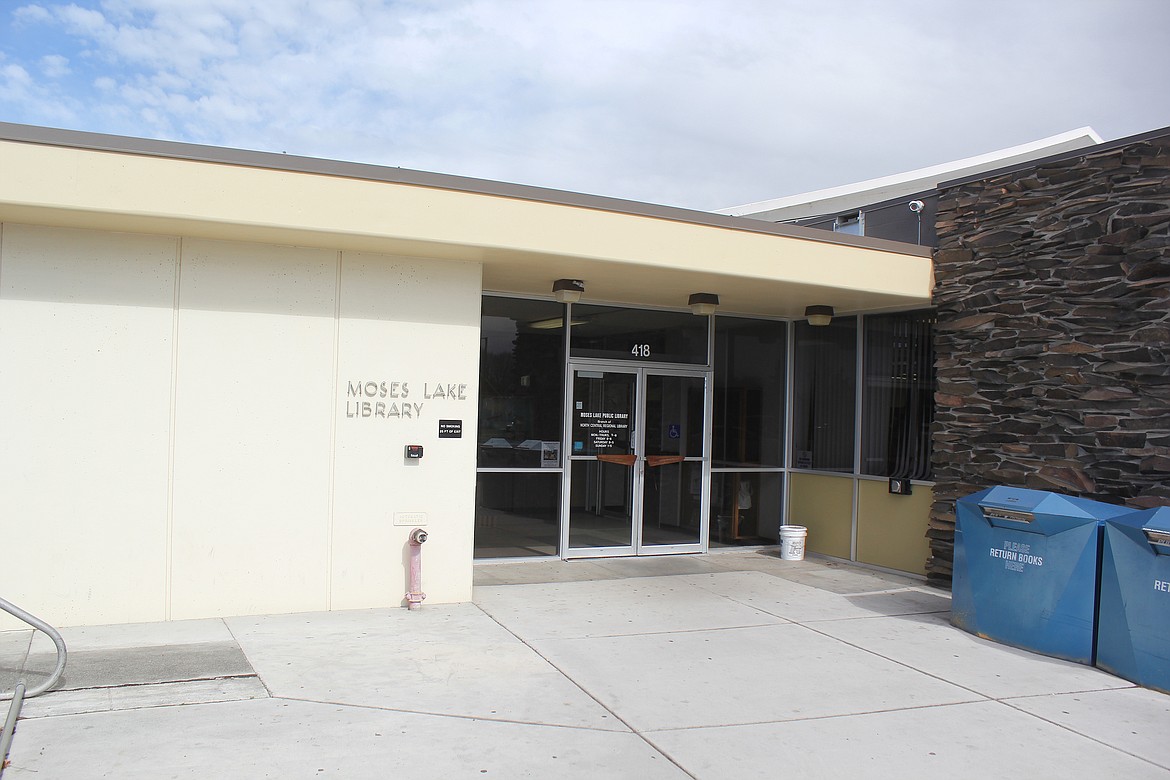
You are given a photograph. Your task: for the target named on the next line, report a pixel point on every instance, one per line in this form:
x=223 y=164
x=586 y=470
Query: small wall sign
x=450 y=429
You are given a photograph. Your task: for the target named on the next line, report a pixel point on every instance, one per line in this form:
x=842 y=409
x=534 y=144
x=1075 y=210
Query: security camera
x=917 y=206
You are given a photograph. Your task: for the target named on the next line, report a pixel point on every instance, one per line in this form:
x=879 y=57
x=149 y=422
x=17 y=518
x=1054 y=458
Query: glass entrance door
x=637 y=462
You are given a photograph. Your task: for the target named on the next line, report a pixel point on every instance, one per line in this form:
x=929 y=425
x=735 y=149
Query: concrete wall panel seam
x=170 y=519
x=333 y=433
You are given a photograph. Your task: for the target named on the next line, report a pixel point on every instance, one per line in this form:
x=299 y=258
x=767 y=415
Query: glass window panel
x=516 y=514
x=617 y=333
x=898 y=399
x=750 y=365
x=825 y=391
x=603 y=413
x=600 y=504
x=745 y=508
x=674 y=415
x=521 y=373
x=672 y=498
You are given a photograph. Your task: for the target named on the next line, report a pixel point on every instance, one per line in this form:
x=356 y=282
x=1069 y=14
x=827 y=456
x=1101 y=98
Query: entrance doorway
x=638 y=461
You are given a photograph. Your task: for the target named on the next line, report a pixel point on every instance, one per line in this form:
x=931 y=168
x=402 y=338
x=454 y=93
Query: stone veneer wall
x=1053 y=339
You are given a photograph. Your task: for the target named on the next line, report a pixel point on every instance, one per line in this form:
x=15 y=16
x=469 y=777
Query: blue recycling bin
x=1026 y=565
x=1133 y=626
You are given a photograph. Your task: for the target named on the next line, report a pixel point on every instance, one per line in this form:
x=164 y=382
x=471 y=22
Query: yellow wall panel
x=891 y=529
x=824 y=505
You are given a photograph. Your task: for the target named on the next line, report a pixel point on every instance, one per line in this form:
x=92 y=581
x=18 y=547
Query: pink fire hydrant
x=415 y=596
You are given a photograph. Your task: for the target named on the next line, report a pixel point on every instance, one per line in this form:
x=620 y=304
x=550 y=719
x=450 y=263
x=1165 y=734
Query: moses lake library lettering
x=577 y=376
x=387 y=400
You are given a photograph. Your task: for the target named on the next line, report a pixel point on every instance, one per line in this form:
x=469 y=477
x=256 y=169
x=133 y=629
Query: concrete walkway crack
x=590 y=694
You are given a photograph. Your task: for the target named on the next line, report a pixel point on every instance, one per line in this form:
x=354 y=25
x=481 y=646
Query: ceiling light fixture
x=568 y=290
x=703 y=304
x=819 y=315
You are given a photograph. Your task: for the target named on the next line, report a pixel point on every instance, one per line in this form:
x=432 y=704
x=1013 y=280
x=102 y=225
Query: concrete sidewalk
x=731 y=665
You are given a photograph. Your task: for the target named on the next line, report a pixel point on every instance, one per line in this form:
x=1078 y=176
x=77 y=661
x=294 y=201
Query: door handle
x=654 y=461
x=621 y=460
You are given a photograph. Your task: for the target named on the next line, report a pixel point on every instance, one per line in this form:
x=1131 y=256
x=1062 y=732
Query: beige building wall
x=86 y=344
x=256 y=335
x=209 y=369
x=633 y=253
x=179 y=436
x=412 y=327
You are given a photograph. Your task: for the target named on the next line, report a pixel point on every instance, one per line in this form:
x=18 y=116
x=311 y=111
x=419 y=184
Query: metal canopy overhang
x=523 y=237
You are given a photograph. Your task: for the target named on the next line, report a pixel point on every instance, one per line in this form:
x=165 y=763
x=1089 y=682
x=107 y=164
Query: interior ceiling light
x=554 y=322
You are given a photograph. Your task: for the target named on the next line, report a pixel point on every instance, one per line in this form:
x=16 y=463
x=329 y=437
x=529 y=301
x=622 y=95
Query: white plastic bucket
x=792 y=542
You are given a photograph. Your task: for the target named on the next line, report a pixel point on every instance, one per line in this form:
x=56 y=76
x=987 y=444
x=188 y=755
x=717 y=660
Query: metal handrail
x=10 y=726
x=52 y=633
x=20 y=693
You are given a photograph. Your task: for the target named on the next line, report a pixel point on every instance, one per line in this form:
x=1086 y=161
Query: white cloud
x=18 y=87
x=54 y=66
x=31 y=14
x=15 y=77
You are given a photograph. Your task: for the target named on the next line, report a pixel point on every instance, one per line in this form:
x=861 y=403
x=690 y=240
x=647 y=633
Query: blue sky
x=699 y=104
